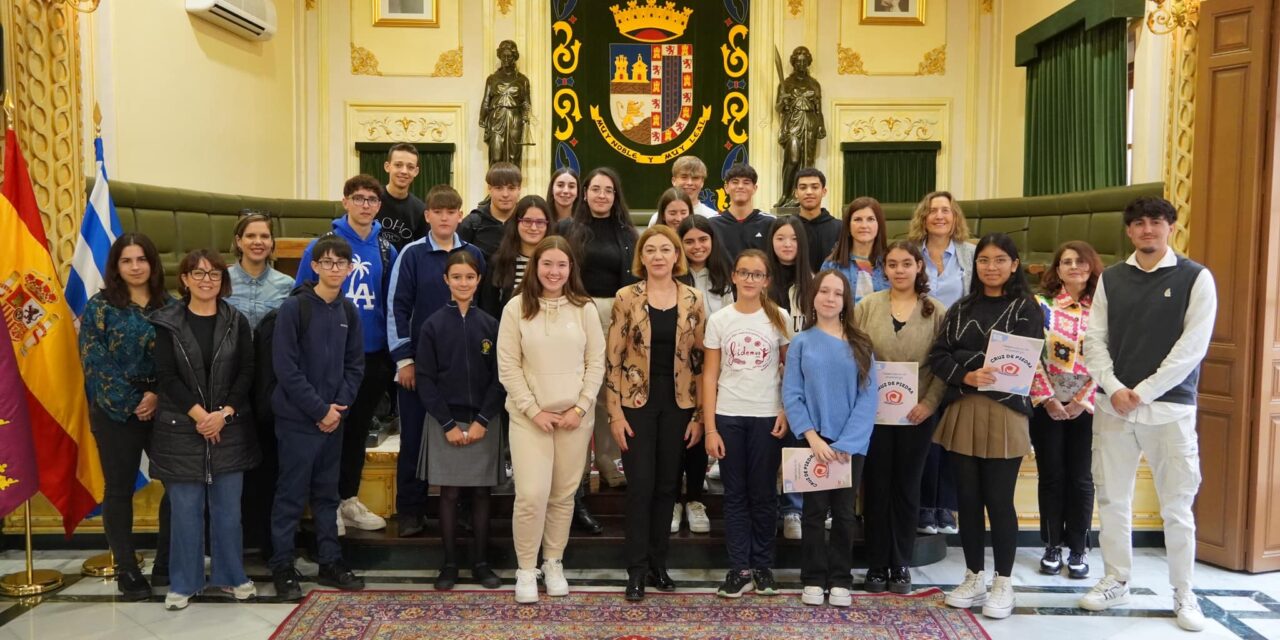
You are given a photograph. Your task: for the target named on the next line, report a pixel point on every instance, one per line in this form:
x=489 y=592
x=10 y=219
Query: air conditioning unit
x=251 y=19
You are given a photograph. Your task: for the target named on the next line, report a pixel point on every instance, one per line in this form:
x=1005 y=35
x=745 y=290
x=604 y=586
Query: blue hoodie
x=322 y=367
x=366 y=287
x=820 y=391
x=418 y=290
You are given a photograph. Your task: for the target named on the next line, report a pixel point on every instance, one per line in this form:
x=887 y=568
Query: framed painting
x=893 y=12
x=406 y=13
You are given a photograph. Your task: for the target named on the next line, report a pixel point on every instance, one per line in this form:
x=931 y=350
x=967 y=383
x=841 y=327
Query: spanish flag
x=42 y=330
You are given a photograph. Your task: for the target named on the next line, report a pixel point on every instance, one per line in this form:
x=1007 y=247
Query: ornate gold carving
x=1181 y=129
x=504 y=7
x=449 y=65
x=891 y=128
x=849 y=62
x=311 y=4
x=363 y=62
x=43 y=40
x=796 y=6
x=934 y=63
x=988 y=6
x=1171 y=15
x=405 y=128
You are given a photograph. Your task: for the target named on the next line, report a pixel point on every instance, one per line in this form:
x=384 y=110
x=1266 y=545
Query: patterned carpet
x=491 y=615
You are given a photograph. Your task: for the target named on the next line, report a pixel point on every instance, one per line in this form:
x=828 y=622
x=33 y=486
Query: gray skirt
x=475 y=465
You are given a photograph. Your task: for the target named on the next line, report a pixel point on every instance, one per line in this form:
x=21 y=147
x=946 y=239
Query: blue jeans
x=186 y=545
x=749 y=472
x=791 y=502
x=309 y=468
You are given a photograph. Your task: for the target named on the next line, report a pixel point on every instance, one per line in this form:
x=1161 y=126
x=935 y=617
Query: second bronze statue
x=504 y=109
x=800 y=122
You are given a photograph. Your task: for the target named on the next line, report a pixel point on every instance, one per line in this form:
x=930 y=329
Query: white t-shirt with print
x=750 y=362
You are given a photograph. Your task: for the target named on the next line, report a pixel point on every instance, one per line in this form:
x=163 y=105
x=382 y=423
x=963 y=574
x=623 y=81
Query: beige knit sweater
x=552 y=362
x=874 y=316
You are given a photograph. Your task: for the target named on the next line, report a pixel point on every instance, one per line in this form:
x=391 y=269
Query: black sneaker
x=159 y=576
x=927 y=522
x=447 y=578
x=408 y=526
x=877 y=580
x=485 y=576
x=1077 y=565
x=338 y=576
x=1051 y=562
x=288 y=584
x=131 y=584
x=735 y=584
x=900 y=581
x=765 y=584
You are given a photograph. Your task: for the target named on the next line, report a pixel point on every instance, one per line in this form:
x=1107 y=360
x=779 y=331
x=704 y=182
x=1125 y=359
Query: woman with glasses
x=203 y=440
x=256 y=287
x=521 y=233
x=651 y=382
x=985 y=432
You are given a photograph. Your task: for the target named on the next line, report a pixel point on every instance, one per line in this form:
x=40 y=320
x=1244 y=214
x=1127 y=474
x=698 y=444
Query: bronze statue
x=504 y=110
x=800 y=124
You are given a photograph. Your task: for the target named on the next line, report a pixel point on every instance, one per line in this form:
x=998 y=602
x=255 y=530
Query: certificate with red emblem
x=898 y=391
x=1014 y=359
x=802 y=472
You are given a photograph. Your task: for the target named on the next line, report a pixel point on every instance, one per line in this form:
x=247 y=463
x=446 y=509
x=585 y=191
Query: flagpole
x=31 y=582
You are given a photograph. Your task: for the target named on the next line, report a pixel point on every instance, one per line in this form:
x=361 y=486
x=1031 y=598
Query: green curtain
x=1077 y=89
x=890 y=171
x=434 y=162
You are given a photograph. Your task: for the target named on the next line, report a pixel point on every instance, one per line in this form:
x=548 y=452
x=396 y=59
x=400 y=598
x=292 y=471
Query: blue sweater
x=322 y=367
x=457 y=366
x=418 y=290
x=365 y=287
x=820 y=391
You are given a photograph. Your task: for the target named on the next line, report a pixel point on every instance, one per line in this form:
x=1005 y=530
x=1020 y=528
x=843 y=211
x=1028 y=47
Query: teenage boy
x=315 y=384
x=366 y=288
x=483 y=226
x=401 y=213
x=822 y=229
x=689 y=174
x=418 y=289
x=1149 y=328
x=742 y=225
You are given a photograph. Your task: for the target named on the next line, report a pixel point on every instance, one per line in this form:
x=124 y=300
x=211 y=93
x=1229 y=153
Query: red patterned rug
x=491 y=615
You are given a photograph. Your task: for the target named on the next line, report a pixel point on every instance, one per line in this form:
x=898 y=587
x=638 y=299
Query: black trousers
x=355 y=429
x=120 y=447
x=260 y=485
x=308 y=461
x=988 y=487
x=828 y=564
x=749 y=471
x=1064 y=455
x=653 y=460
x=694 y=473
x=895 y=464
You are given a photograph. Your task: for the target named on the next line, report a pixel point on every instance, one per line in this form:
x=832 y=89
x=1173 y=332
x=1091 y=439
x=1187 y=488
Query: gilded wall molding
x=363 y=62
x=1181 y=114
x=311 y=4
x=934 y=63
x=795 y=6
x=407 y=122
x=849 y=62
x=892 y=128
x=504 y=6
x=405 y=129
x=44 y=45
x=449 y=65
x=988 y=6
x=905 y=120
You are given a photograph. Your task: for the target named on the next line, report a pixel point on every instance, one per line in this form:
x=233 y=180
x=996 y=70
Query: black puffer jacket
x=178 y=452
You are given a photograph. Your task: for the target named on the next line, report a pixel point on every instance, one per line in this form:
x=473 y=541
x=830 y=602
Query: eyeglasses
x=533 y=222
x=331 y=265
x=214 y=275
x=751 y=276
x=1077 y=262
x=364 y=202
x=608 y=191
x=247 y=213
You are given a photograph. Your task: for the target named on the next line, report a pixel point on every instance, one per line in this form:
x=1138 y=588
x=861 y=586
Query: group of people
x=554 y=331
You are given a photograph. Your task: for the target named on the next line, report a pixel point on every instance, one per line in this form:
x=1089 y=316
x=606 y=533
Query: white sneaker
x=696 y=514
x=242 y=592
x=812 y=596
x=675 y=518
x=526 y=586
x=999 y=602
x=358 y=516
x=553 y=578
x=971 y=592
x=1108 y=593
x=342 y=526
x=714 y=472
x=791 y=526
x=827 y=523
x=1187 y=607
x=176 y=601
x=840 y=597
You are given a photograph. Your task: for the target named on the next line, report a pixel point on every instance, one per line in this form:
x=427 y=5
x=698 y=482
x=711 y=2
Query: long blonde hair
x=916 y=231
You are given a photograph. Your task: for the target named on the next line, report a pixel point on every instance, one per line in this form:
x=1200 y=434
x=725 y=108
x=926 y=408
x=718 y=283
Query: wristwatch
x=582 y=413
x=226 y=414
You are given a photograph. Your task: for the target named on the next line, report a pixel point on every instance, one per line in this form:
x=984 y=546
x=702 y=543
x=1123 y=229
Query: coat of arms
x=25 y=301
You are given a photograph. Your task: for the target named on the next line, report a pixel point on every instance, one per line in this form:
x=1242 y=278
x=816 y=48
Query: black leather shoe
x=583 y=520
x=338 y=576
x=159 y=575
x=635 y=587
x=900 y=581
x=288 y=584
x=131 y=584
x=447 y=578
x=485 y=576
x=408 y=526
x=877 y=580
x=660 y=580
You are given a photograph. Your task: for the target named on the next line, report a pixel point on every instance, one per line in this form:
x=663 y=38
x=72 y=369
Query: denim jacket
x=255 y=297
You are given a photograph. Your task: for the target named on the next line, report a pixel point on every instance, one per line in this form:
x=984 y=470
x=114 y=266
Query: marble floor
x=1239 y=605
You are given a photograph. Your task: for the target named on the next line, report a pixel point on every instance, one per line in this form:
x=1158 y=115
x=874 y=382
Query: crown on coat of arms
x=651 y=22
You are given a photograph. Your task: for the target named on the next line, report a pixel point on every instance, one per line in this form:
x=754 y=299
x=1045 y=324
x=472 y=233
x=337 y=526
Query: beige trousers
x=607 y=451
x=547 y=468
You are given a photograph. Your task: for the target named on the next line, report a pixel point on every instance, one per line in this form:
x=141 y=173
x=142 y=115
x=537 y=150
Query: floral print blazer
x=626 y=376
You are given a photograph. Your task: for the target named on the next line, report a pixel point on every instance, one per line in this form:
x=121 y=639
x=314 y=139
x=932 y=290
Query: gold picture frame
x=406 y=13
x=903 y=13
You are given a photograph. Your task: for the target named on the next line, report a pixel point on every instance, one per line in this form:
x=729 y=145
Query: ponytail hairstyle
x=859 y=342
x=771 y=308
x=922 y=278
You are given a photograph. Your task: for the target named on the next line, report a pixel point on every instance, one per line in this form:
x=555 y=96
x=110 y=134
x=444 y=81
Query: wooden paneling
x=1228 y=235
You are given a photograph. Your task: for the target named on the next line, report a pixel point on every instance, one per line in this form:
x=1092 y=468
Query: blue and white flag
x=100 y=228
